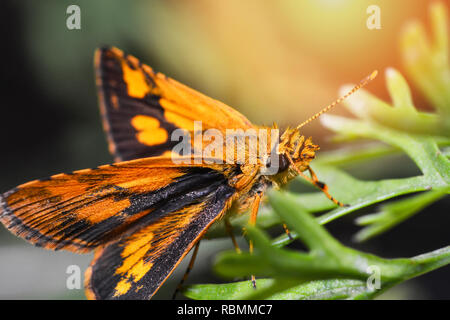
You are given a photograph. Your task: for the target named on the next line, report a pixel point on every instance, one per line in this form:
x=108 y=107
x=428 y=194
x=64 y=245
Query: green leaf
x=333 y=289
x=396 y=212
x=228 y=291
x=427 y=60
x=327 y=259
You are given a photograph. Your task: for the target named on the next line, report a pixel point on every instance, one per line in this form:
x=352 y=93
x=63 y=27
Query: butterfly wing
x=89 y=208
x=141 y=108
x=135 y=266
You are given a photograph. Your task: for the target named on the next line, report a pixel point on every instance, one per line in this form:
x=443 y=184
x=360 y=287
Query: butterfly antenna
x=361 y=84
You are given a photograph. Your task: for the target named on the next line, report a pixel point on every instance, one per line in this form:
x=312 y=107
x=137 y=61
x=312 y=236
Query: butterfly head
x=295 y=152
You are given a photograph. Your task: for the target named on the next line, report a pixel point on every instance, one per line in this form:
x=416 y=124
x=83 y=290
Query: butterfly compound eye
x=283 y=162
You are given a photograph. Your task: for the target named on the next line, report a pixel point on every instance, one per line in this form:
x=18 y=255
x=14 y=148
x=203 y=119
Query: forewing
x=141 y=108
x=84 y=209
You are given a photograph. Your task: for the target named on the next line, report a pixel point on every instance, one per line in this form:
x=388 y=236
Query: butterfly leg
x=315 y=181
x=189 y=268
x=253 y=215
x=322 y=186
x=229 y=229
x=287 y=231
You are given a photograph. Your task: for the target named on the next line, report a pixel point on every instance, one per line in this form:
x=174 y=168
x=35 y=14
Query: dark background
x=50 y=122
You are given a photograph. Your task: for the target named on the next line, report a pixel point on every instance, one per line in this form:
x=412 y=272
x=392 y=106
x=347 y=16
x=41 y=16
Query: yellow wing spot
x=168 y=154
x=181 y=121
x=115 y=101
x=122 y=287
x=136 y=243
x=149 y=131
x=135 y=80
x=139 y=288
x=133 y=267
x=139 y=270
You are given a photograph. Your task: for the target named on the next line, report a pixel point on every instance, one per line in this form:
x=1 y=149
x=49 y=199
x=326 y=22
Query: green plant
x=330 y=270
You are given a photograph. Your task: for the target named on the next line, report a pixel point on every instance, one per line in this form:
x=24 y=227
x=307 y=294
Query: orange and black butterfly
x=144 y=213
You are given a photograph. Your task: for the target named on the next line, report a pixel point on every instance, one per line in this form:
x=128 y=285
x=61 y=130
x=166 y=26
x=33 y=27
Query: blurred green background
x=276 y=61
